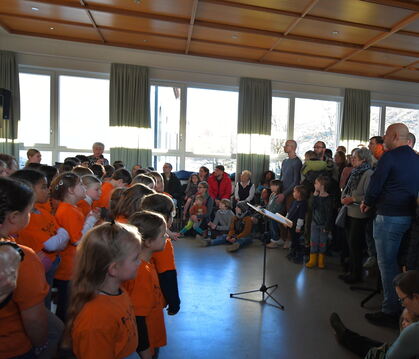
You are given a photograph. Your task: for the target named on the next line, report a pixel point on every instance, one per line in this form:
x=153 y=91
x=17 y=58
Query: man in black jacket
x=171 y=182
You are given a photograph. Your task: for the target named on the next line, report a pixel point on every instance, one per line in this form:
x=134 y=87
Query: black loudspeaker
x=5 y=99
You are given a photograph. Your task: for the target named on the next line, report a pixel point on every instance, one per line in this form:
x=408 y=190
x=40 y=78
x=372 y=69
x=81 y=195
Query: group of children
x=105 y=249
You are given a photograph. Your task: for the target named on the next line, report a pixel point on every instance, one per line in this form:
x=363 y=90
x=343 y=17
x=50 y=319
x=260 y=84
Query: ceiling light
x=234 y=37
x=35 y=9
x=145 y=40
x=335 y=33
x=52 y=28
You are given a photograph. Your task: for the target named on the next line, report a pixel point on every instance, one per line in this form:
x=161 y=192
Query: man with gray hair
x=393 y=190
x=97 y=157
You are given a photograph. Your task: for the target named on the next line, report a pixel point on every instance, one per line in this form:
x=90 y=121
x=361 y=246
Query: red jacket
x=219 y=190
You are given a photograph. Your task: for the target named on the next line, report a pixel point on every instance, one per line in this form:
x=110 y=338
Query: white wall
x=42 y=52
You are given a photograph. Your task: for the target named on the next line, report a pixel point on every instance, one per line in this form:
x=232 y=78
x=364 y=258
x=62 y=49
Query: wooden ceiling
x=360 y=37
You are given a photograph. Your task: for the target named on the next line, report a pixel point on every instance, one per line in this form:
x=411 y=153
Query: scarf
x=355 y=177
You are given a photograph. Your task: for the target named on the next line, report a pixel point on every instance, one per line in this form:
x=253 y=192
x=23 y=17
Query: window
x=315 y=120
x=83 y=111
x=375 y=113
x=408 y=116
x=46 y=158
x=280 y=111
x=194 y=163
x=35 y=109
x=165 y=116
x=211 y=122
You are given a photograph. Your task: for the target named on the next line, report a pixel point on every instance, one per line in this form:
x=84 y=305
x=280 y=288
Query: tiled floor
x=213 y=325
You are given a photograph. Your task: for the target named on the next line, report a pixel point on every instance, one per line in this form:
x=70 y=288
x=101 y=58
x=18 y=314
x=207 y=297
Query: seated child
x=198 y=209
x=322 y=222
x=222 y=220
x=275 y=205
x=296 y=214
x=240 y=233
x=190 y=192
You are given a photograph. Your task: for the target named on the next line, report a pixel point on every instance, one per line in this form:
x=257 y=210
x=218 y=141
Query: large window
x=280 y=115
x=165 y=116
x=35 y=108
x=211 y=122
x=408 y=116
x=83 y=111
x=315 y=120
x=375 y=114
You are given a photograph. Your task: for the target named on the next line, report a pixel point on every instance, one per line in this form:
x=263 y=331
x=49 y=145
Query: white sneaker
x=287 y=245
x=370 y=262
x=279 y=242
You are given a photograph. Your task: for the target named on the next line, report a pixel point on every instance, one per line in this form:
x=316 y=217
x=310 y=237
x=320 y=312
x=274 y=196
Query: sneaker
x=199 y=237
x=279 y=242
x=206 y=242
x=233 y=248
x=383 y=319
x=370 y=262
x=272 y=245
x=287 y=245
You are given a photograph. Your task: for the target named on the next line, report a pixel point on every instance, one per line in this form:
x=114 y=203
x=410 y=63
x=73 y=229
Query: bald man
x=393 y=190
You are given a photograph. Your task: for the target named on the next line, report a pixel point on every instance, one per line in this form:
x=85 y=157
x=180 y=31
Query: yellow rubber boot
x=321 y=264
x=313 y=260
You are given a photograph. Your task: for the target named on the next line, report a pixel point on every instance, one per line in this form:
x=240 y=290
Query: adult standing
x=97 y=158
x=393 y=190
x=245 y=189
x=376 y=146
x=219 y=185
x=352 y=196
x=290 y=177
x=321 y=152
x=172 y=184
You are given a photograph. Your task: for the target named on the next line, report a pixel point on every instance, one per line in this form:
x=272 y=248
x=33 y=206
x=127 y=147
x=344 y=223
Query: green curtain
x=254 y=127
x=356 y=115
x=9 y=79
x=129 y=106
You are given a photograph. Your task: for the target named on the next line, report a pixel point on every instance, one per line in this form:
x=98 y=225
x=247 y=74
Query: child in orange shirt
x=23 y=315
x=130 y=201
x=145 y=290
x=165 y=259
x=42 y=234
x=101 y=320
x=93 y=193
x=120 y=178
x=69 y=190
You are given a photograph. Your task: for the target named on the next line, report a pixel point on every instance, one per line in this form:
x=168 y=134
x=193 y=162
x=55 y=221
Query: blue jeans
x=274 y=229
x=222 y=240
x=388 y=234
x=318 y=238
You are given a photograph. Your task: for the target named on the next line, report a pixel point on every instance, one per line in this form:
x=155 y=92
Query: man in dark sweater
x=393 y=190
x=172 y=184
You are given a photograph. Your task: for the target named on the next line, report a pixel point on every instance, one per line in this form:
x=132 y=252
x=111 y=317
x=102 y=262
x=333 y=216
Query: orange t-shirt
x=148 y=302
x=31 y=290
x=84 y=207
x=72 y=220
x=42 y=226
x=165 y=259
x=105 y=198
x=45 y=206
x=105 y=328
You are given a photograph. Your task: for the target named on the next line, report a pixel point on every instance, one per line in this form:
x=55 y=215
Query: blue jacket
x=394 y=185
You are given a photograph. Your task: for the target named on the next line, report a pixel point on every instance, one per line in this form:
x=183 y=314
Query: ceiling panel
x=143 y=41
x=139 y=24
x=401 y=42
x=243 y=17
x=414 y=26
x=287 y=5
x=204 y=48
x=326 y=30
x=383 y=58
x=181 y=8
x=360 y=11
x=50 y=29
x=312 y=48
x=233 y=37
x=44 y=11
x=405 y=75
x=361 y=69
x=290 y=59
